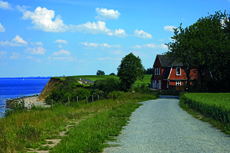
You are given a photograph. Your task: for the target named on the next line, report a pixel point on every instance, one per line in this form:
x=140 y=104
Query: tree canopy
x=130 y=70
x=100 y=72
x=205 y=45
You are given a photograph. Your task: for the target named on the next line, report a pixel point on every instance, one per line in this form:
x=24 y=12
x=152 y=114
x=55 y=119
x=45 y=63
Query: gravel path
x=162 y=126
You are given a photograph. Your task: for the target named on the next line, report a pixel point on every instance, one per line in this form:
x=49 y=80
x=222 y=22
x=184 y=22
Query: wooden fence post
x=98 y=97
x=51 y=103
x=86 y=100
x=68 y=101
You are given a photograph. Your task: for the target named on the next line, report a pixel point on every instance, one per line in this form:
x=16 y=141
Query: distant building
x=168 y=74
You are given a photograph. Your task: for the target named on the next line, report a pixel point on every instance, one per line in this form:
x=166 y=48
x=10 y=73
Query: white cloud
x=17 y=41
x=15 y=55
x=5 y=5
x=142 y=34
x=93 y=28
x=169 y=28
x=36 y=44
x=3 y=52
x=61 y=52
x=118 y=33
x=163 y=46
x=2 y=29
x=60 y=41
x=104 y=14
x=42 y=18
x=36 y=50
x=89 y=44
x=60 y=46
x=104 y=45
x=136 y=47
x=98 y=27
x=161 y=40
x=151 y=45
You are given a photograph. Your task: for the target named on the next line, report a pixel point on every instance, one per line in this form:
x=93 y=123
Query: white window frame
x=178 y=83
x=179 y=69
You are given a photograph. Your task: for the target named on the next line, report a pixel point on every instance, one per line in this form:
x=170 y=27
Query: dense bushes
x=105 y=86
x=70 y=88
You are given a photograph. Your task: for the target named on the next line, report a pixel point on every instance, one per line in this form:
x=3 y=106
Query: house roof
x=168 y=62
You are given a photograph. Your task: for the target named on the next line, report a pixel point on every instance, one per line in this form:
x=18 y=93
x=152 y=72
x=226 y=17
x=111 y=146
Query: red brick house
x=169 y=74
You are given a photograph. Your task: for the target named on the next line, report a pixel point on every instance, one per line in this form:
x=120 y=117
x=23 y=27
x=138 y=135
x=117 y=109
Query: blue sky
x=71 y=37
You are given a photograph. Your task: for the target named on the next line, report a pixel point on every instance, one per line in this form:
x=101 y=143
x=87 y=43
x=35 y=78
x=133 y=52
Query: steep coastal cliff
x=48 y=88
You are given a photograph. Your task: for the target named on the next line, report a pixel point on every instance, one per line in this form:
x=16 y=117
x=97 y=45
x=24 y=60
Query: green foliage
x=214 y=105
x=149 y=70
x=106 y=85
x=112 y=73
x=205 y=45
x=115 y=94
x=129 y=71
x=100 y=72
x=29 y=129
x=81 y=93
x=18 y=108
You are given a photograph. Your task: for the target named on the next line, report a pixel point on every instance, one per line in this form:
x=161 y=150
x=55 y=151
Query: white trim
x=170 y=73
x=178 y=83
x=176 y=71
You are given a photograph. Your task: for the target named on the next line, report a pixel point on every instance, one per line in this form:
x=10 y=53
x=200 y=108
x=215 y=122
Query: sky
x=79 y=37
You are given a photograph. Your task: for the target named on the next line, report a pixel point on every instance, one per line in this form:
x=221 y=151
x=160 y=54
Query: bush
x=115 y=94
x=81 y=93
x=106 y=85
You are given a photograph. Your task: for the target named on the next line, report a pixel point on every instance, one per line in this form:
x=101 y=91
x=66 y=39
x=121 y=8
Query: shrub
x=115 y=94
x=81 y=93
x=106 y=85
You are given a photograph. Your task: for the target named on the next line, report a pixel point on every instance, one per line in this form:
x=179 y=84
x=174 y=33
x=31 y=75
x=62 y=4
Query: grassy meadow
x=209 y=107
x=146 y=79
x=101 y=120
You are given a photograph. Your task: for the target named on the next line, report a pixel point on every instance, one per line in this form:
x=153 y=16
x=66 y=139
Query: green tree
x=182 y=51
x=100 y=72
x=129 y=71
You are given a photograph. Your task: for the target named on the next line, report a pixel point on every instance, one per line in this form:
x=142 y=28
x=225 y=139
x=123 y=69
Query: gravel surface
x=162 y=126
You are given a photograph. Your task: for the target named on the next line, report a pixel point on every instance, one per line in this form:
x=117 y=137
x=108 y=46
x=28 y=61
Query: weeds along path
x=162 y=126
x=50 y=143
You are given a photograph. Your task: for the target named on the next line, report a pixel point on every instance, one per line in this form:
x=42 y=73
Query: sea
x=19 y=87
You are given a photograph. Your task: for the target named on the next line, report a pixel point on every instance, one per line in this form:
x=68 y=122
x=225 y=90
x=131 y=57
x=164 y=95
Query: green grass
x=209 y=107
x=29 y=129
x=146 y=79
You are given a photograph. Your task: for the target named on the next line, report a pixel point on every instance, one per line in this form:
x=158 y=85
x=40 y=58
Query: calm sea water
x=18 y=87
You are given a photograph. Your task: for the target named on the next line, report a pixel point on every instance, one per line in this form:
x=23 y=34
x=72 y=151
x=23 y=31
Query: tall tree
x=130 y=70
x=182 y=51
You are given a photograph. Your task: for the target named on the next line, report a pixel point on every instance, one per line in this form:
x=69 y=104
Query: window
x=178 y=71
x=159 y=71
x=178 y=83
x=155 y=71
